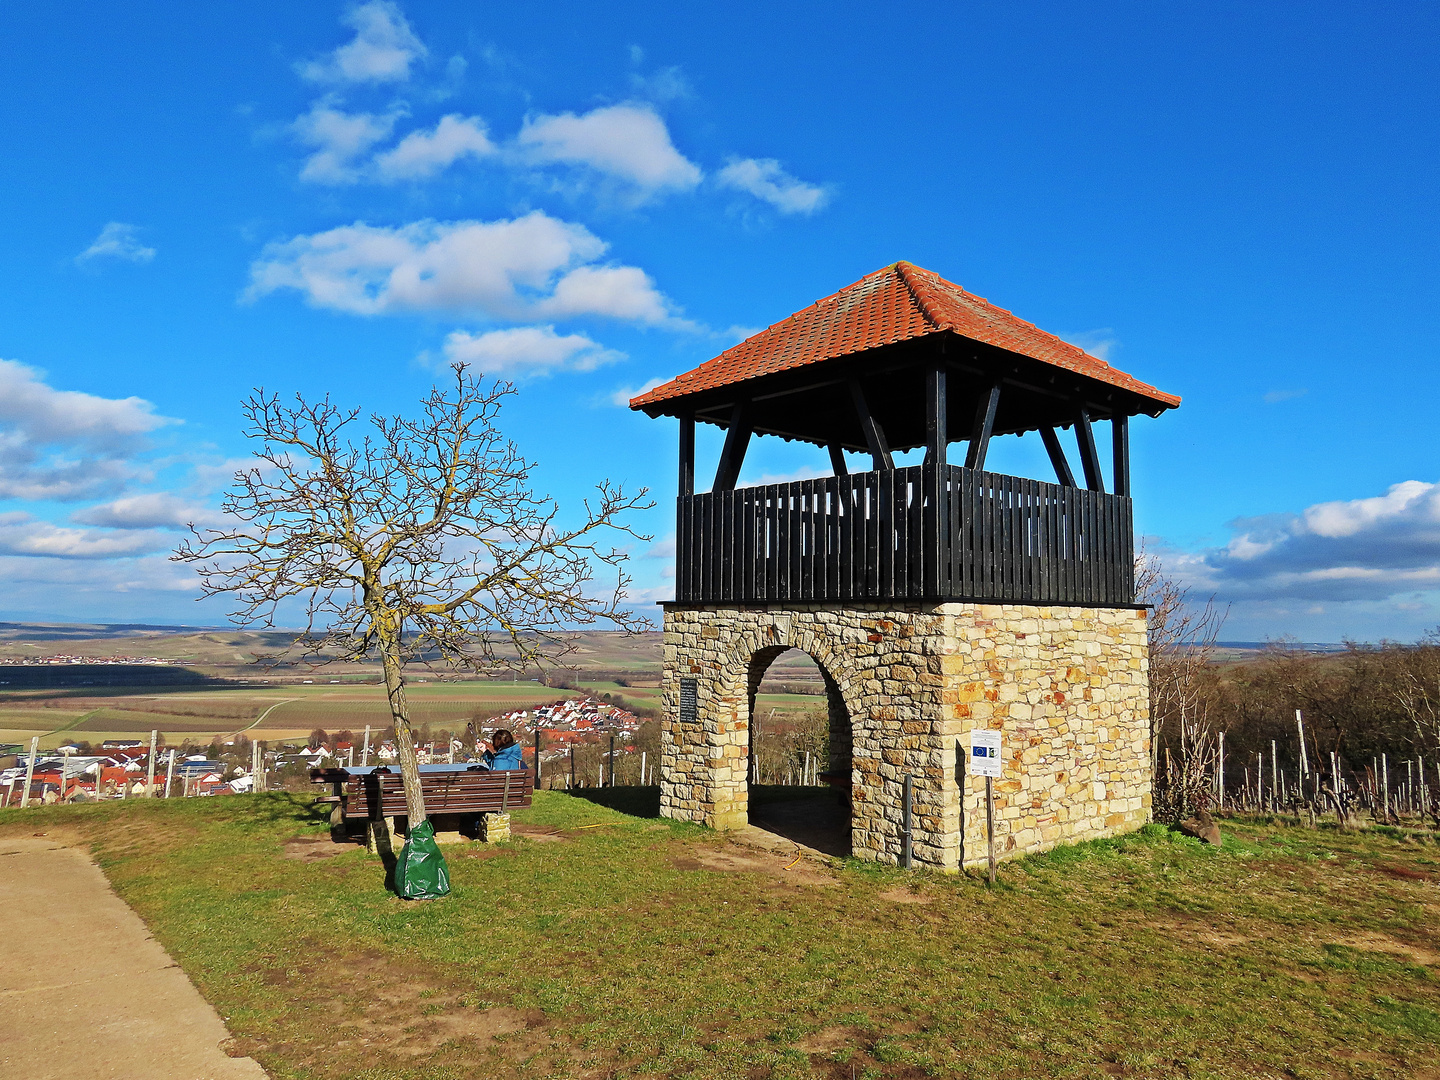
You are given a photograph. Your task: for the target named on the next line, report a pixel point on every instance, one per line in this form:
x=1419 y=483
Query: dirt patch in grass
x=1381 y=943
x=828 y=1040
x=313 y=848
x=373 y=1010
x=545 y=834
x=796 y=869
x=902 y=894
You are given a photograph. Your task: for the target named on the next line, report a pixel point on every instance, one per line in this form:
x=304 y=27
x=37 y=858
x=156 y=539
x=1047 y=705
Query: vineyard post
x=29 y=771
x=1220 y=772
x=150 y=767
x=1385 y=781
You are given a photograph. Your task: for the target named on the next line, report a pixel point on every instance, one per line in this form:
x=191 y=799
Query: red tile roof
x=895 y=304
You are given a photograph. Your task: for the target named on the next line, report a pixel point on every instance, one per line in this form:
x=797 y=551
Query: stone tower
x=934 y=597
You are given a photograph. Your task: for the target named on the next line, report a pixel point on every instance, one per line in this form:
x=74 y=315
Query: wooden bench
x=455 y=798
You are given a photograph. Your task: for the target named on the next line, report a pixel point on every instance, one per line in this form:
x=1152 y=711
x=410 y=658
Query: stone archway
x=817 y=816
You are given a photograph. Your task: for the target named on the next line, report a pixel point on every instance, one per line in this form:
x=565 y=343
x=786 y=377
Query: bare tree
x=1413 y=687
x=1182 y=643
x=421 y=540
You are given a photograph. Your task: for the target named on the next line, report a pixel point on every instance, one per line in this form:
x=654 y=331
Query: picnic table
x=458 y=798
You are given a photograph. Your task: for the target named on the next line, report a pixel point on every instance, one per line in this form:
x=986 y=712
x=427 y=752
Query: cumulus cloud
x=530 y=267
x=382 y=50
x=629 y=143
x=339 y=139
x=422 y=154
x=1359 y=549
x=767 y=180
x=153 y=510
x=527 y=350
x=118 y=241
x=21 y=534
x=64 y=444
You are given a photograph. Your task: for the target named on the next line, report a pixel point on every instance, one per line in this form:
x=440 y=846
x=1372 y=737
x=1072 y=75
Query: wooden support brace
x=837 y=459
x=1057 y=457
x=737 y=438
x=1120 y=430
x=937 y=438
x=1089 y=459
x=984 y=426
x=874 y=434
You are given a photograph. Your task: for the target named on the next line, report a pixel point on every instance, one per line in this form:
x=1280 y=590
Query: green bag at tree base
x=421 y=873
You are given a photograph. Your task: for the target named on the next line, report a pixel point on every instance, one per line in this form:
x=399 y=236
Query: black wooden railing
x=917 y=532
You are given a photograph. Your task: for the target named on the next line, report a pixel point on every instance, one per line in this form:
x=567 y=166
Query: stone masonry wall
x=1066 y=686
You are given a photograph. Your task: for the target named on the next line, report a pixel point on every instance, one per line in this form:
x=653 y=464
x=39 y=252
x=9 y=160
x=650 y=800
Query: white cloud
x=527 y=350
x=622 y=395
x=804 y=472
x=339 y=139
x=627 y=142
x=534 y=266
x=1355 y=550
x=153 y=510
x=64 y=444
x=42 y=414
x=664 y=84
x=1274 y=397
x=382 y=50
x=768 y=181
x=1099 y=343
x=118 y=241
x=21 y=534
x=422 y=154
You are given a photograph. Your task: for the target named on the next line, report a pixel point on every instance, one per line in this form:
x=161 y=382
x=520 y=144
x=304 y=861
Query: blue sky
x=1235 y=204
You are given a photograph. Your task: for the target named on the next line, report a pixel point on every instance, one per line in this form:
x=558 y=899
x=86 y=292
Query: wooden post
x=937 y=437
x=612 y=760
x=150 y=767
x=29 y=771
x=572 y=766
x=537 y=759
x=365 y=753
x=1120 y=433
x=1274 y=774
x=1304 y=760
x=642 y=768
x=837 y=459
x=990 y=824
x=687 y=454
x=170 y=773
x=907 y=850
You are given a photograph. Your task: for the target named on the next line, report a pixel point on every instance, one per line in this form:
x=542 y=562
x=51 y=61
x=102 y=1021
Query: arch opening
x=799 y=771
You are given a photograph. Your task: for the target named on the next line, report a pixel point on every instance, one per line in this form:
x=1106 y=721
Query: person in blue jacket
x=506 y=752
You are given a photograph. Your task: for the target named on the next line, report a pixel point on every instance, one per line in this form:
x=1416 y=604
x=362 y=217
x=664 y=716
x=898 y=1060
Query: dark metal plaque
x=689 y=701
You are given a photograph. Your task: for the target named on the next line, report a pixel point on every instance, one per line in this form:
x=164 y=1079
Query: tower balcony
x=923 y=532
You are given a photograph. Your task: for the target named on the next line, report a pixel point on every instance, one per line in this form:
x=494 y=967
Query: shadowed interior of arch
x=800 y=741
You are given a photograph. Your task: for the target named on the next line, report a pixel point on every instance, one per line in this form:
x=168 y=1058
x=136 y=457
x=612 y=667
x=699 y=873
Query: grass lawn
x=642 y=947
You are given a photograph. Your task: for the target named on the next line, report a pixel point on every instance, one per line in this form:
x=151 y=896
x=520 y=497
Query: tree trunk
x=404 y=740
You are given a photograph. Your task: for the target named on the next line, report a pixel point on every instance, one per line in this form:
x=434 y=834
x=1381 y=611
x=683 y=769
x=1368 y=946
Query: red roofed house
x=936 y=597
